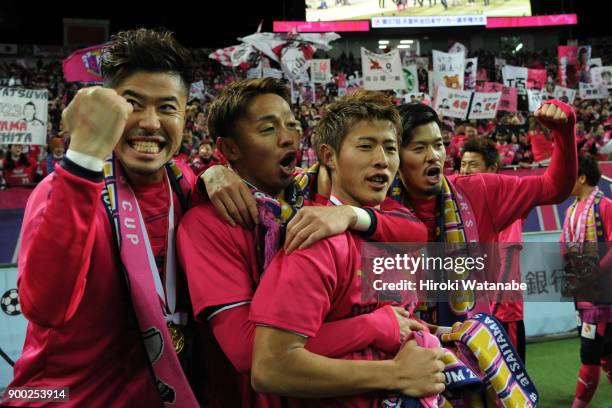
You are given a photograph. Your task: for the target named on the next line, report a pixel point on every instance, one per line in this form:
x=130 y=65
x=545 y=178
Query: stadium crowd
x=519 y=138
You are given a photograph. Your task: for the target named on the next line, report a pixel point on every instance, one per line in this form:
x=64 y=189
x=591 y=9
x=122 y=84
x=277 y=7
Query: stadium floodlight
x=380 y=42
x=382 y=47
x=407 y=42
x=404 y=46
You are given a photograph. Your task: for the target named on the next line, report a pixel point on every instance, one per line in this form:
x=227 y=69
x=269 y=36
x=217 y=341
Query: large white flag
x=449 y=69
x=382 y=71
x=295 y=63
x=268 y=44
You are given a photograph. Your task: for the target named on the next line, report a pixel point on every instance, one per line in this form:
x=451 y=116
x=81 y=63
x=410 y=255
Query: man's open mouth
x=433 y=174
x=288 y=162
x=378 y=180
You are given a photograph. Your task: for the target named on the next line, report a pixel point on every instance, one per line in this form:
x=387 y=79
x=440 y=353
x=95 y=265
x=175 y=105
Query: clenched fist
x=551 y=116
x=96 y=119
x=420 y=370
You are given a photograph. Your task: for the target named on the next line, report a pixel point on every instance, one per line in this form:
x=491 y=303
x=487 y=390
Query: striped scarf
x=482 y=369
x=275 y=214
x=456 y=227
x=484 y=349
x=589 y=221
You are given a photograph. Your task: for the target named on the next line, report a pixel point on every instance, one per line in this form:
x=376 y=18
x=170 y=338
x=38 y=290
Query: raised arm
x=59 y=226
x=510 y=198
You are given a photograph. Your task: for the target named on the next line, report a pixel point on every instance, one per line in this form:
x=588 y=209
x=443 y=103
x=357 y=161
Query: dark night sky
x=213 y=23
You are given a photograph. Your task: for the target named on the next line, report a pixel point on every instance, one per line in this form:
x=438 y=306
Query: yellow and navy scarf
x=457 y=228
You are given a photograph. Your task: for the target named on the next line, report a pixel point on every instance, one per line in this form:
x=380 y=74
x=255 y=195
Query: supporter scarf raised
x=274 y=214
x=153 y=305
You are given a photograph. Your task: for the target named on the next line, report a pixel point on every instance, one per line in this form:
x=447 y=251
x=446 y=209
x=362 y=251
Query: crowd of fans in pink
x=519 y=138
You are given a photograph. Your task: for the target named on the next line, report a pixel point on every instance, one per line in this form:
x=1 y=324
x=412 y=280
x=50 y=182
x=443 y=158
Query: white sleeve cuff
x=85 y=160
x=363 y=219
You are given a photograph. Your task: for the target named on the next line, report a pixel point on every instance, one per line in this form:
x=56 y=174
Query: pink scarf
x=153 y=305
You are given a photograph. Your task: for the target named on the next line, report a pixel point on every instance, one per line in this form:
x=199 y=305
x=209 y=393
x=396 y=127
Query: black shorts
x=517 y=329
x=592 y=350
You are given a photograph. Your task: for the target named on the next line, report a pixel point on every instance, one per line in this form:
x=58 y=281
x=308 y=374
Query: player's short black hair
x=415 y=115
x=146 y=50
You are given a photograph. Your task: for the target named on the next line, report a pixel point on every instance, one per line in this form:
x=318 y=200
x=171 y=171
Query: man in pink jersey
x=485 y=204
x=306 y=289
x=97 y=272
x=256 y=131
x=588 y=222
x=482 y=156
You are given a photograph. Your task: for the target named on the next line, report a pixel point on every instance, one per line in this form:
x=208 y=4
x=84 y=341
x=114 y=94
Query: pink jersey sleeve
x=395 y=223
x=297 y=290
x=235 y=334
x=57 y=240
x=510 y=198
x=209 y=251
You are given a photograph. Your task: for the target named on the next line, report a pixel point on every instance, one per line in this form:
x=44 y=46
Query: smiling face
x=154 y=130
x=264 y=151
x=363 y=169
x=421 y=161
